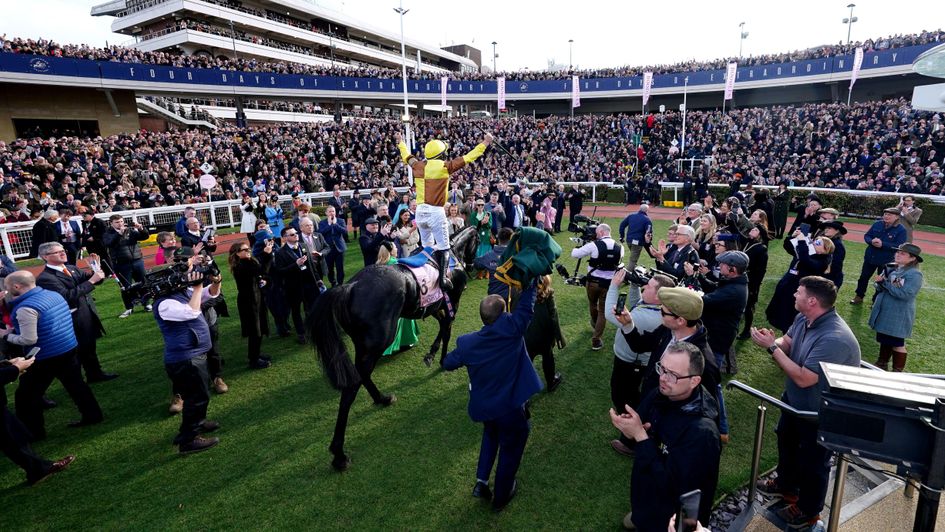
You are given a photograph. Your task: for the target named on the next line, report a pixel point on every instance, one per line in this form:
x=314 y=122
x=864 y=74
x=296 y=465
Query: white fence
x=17 y=238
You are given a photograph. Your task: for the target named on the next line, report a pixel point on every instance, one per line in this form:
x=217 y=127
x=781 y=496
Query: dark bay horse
x=367 y=308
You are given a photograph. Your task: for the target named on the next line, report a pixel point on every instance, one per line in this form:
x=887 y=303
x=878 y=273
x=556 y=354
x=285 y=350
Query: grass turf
x=414 y=462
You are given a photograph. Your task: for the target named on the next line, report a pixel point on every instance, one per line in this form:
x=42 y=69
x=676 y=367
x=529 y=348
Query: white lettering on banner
x=751 y=73
x=444 y=82
x=794 y=69
x=257 y=80
x=808 y=67
x=894 y=56
x=618 y=83
x=779 y=71
x=731 y=73
x=857 y=64
x=301 y=82
x=500 y=91
x=356 y=84
x=151 y=71
x=647 y=86
x=171 y=74
x=272 y=80
x=575 y=92
x=224 y=78
x=132 y=72
x=241 y=79
x=840 y=63
x=190 y=76
x=875 y=59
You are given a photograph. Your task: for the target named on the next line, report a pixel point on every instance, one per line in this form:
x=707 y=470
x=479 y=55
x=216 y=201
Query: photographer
x=605 y=256
x=893 y=313
x=629 y=365
x=122 y=244
x=186 y=343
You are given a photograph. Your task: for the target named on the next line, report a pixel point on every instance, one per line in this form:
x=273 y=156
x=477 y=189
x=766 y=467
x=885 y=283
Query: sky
x=530 y=33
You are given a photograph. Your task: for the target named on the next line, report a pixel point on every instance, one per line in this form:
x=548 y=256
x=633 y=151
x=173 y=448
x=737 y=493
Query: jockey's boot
x=443 y=261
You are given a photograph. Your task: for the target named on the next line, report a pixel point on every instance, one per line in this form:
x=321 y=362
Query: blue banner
x=145 y=74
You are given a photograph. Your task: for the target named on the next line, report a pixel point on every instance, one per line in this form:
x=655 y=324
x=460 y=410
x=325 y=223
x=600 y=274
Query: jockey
x=432 y=178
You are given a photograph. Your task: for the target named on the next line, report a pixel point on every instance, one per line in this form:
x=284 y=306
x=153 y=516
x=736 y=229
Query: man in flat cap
x=681 y=310
x=883 y=238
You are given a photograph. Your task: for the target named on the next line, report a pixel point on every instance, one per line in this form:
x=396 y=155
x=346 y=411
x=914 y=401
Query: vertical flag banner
x=647 y=85
x=730 y=80
x=500 y=88
x=444 y=81
x=575 y=91
x=857 y=63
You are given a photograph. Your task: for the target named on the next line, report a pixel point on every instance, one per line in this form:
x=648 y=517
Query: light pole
x=849 y=22
x=570 y=55
x=682 y=151
x=240 y=113
x=742 y=34
x=493 y=57
x=403 y=64
x=331 y=47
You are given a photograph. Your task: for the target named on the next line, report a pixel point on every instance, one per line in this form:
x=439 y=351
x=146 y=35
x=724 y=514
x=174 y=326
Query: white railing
x=676 y=185
x=17 y=237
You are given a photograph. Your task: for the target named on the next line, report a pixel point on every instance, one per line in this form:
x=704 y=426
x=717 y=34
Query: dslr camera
x=641 y=275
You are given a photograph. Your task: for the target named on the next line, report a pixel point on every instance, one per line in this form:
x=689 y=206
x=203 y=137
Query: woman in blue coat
x=893 y=311
x=276 y=218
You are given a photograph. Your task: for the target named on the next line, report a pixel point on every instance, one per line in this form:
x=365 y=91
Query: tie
x=66 y=271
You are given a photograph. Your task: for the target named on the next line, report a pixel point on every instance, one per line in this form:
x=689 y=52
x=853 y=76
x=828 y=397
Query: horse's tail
x=330 y=306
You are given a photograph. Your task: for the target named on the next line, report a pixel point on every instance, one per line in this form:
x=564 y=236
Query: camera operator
x=76 y=286
x=605 y=256
x=186 y=343
x=122 y=244
x=629 y=365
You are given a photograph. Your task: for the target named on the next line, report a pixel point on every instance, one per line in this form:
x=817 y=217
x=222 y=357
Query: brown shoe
x=177 y=405
x=56 y=467
x=621 y=448
x=856 y=301
x=219 y=386
x=197 y=444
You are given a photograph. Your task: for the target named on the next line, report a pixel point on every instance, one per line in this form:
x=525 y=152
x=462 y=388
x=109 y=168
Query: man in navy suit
x=69 y=234
x=501 y=380
x=334 y=231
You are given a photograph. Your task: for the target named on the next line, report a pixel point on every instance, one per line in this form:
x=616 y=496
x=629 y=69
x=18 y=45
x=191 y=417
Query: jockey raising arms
x=432 y=178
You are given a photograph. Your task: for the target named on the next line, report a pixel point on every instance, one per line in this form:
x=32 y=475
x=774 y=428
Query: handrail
x=784 y=407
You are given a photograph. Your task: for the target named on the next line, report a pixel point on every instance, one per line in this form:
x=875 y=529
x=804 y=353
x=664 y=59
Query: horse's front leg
x=428 y=359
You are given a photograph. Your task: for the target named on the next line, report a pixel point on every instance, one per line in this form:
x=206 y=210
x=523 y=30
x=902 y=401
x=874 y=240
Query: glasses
x=293 y=233
x=668 y=313
x=818 y=242
x=242 y=250
x=670 y=375
x=61 y=251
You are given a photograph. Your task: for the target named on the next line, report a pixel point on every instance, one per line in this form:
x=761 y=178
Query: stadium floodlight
x=494 y=56
x=742 y=35
x=849 y=22
x=403 y=65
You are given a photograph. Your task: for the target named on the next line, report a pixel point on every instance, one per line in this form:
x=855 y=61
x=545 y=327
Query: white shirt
x=590 y=250
x=172 y=310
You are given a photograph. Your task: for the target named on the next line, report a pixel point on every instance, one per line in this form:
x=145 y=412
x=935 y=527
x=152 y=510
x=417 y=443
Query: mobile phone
x=32 y=353
x=621 y=303
x=207 y=235
x=687 y=519
x=804 y=229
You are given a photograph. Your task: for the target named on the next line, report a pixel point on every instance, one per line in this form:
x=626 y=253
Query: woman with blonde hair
x=704 y=241
x=544 y=333
x=456 y=220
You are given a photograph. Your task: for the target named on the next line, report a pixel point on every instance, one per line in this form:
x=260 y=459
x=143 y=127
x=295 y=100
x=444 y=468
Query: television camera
x=173 y=278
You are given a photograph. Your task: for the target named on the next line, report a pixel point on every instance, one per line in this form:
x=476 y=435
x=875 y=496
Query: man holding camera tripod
x=604 y=255
x=123 y=248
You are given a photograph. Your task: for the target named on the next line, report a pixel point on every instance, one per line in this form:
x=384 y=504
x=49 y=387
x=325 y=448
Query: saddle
x=426 y=271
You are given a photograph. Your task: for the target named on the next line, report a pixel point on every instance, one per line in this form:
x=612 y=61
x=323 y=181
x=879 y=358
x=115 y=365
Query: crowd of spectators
x=883 y=146
x=339 y=68
x=188 y=107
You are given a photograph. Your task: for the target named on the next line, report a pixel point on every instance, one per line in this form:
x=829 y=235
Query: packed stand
x=121 y=54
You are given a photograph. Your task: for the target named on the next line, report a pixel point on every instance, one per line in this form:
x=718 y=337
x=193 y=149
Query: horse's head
x=464 y=246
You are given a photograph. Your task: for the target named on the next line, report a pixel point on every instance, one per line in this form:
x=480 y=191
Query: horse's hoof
x=386 y=400
x=428 y=361
x=341 y=463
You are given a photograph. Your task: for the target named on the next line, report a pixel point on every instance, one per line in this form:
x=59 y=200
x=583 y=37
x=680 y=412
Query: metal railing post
x=756 y=454
x=836 y=500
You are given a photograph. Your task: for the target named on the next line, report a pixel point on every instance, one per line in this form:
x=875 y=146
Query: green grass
x=414 y=462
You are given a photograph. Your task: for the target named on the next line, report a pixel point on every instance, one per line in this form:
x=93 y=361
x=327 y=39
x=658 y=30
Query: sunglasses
x=668 y=313
x=818 y=242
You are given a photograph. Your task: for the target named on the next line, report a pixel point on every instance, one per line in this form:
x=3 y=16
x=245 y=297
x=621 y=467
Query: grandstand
x=290 y=31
